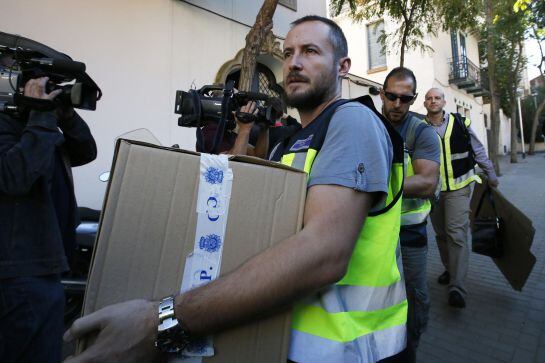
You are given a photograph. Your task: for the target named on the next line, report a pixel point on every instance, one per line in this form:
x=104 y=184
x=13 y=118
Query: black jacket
x=31 y=243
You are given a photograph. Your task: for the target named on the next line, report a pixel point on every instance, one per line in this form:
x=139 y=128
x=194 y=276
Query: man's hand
x=125 y=332
x=35 y=88
x=250 y=107
x=241 y=146
x=493 y=183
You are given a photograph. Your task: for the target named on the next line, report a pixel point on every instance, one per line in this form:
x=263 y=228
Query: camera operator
x=244 y=141
x=38 y=217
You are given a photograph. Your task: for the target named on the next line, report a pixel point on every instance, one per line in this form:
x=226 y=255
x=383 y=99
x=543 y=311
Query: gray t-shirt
x=426 y=143
x=357 y=152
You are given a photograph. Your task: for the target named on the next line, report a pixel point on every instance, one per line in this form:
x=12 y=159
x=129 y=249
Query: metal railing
x=465 y=74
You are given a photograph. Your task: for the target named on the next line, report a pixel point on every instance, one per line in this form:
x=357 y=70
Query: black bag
x=486 y=231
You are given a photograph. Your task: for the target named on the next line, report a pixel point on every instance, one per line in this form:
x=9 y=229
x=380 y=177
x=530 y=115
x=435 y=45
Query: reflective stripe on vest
x=313 y=348
x=413 y=210
x=362 y=317
x=448 y=181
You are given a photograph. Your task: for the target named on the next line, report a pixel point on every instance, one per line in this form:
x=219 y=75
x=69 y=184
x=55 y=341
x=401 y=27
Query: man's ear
x=344 y=66
x=382 y=95
x=414 y=99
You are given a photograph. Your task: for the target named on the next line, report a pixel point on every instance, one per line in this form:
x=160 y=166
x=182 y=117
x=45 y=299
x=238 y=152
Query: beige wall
x=140 y=52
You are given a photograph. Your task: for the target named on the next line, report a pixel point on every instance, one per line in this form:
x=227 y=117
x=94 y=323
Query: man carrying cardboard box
x=347 y=250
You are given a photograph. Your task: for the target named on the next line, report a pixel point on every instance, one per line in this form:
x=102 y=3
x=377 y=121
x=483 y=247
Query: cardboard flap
x=517 y=236
x=258 y=161
x=237 y=158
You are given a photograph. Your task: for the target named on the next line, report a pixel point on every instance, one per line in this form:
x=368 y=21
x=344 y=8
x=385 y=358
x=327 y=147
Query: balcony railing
x=468 y=76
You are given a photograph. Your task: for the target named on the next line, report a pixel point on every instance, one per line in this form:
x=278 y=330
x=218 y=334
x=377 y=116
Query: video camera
x=22 y=59
x=213 y=103
x=216 y=104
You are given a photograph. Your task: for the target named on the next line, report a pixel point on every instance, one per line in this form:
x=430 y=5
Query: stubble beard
x=396 y=119
x=313 y=97
x=433 y=112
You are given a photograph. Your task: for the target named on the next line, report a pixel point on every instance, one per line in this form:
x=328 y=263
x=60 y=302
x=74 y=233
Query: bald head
x=434 y=101
x=436 y=91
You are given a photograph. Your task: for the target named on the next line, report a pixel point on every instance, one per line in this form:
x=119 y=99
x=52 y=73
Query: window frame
x=379 y=67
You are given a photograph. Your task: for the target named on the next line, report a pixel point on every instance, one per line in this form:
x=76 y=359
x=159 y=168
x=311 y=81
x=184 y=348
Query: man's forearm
x=418 y=186
x=79 y=141
x=262 y=145
x=266 y=283
x=241 y=143
x=315 y=257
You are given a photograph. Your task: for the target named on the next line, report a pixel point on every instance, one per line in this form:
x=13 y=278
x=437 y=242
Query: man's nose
x=397 y=102
x=294 y=63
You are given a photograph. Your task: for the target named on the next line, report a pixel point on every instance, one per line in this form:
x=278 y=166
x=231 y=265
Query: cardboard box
x=148 y=228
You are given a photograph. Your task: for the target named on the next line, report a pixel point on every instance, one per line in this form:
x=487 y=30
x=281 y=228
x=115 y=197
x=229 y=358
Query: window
x=463 y=50
x=264 y=82
x=377 y=58
x=460 y=110
x=463 y=56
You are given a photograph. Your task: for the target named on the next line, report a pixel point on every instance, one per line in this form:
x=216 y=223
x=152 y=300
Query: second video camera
x=215 y=103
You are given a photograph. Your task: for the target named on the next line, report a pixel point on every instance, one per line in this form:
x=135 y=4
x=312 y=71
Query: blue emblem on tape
x=213 y=175
x=210 y=243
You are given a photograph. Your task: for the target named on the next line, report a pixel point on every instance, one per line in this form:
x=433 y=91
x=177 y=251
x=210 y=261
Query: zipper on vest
x=445 y=163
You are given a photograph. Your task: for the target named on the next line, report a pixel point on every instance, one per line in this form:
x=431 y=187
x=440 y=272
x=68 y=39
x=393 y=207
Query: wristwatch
x=171 y=336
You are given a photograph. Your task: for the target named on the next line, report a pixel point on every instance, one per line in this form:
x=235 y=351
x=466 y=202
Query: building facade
x=141 y=52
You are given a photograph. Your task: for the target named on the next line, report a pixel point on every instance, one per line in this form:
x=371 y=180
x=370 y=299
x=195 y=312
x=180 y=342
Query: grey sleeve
x=426 y=145
x=480 y=156
x=357 y=151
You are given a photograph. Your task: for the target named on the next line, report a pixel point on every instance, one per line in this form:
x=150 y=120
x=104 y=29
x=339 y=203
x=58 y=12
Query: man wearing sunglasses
x=422 y=161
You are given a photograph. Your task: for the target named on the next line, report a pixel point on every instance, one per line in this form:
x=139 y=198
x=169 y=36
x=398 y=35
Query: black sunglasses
x=403 y=98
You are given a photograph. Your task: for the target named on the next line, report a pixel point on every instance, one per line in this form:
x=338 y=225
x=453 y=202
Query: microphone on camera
x=64 y=65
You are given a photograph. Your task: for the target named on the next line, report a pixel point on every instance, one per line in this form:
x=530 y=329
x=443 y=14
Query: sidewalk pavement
x=498 y=324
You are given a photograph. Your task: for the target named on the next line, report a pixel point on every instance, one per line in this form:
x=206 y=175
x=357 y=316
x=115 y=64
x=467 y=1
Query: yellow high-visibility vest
x=457 y=162
x=362 y=317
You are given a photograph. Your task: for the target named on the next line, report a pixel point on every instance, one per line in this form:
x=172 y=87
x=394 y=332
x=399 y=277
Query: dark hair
x=336 y=35
x=401 y=73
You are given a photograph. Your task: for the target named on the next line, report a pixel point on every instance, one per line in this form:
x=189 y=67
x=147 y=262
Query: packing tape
x=204 y=263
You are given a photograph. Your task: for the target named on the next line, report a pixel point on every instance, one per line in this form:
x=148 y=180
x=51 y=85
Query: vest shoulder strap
x=395 y=137
x=413 y=131
x=398 y=151
x=464 y=123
